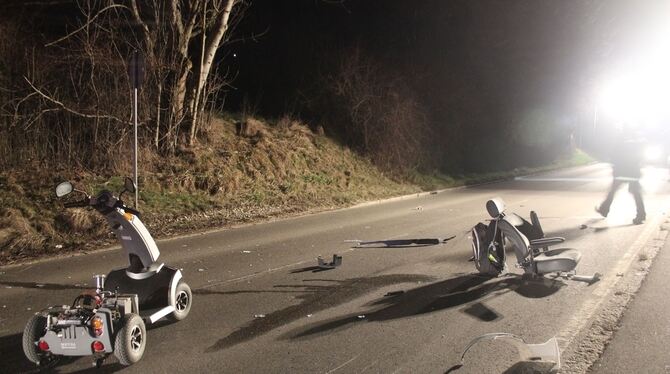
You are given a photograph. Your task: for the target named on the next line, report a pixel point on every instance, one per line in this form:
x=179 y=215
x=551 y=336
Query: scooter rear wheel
x=183 y=298
x=131 y=340
x=34 y=330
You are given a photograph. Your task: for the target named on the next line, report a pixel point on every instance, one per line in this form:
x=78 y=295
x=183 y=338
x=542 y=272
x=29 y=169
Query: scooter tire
x=34 y=330
x=183 y=298
x=130 y=340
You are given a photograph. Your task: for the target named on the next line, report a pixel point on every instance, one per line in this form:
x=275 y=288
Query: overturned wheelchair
x=530 y=246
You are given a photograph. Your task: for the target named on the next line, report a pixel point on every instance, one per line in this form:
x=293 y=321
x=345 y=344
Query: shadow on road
x=313 y=269
x=315 y=298
x=468 y=290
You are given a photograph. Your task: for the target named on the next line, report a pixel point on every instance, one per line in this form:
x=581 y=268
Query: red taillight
x=43 y=346
x=97 y=325
x=98 y=346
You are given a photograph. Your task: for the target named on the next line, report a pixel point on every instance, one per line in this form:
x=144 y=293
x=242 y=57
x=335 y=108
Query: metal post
x=137 y=187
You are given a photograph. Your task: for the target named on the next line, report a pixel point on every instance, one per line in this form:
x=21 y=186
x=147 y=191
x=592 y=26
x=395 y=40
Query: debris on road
x=547 y=352
x=401 y=242
x=337 y=261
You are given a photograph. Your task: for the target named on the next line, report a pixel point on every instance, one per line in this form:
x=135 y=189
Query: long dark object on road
x=404 y=242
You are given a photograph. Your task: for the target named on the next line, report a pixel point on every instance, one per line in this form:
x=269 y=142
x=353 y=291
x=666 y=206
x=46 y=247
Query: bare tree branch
x=70 y=110
x=85 y=25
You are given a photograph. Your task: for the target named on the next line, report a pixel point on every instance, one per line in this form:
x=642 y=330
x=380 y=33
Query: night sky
x=487 y=75
x=490 y=60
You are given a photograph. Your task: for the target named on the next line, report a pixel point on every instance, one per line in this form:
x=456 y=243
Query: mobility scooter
x=113 y=317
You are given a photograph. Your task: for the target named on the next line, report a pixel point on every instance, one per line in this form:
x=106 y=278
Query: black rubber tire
x=131 y=340
x=183 y=301
x=34 y=330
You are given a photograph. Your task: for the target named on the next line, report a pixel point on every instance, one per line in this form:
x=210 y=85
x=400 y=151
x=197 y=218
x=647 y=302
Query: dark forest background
x=455 y=86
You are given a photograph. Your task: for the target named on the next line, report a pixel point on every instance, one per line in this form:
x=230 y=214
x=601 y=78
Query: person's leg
x=604 y=207
x=636 y=190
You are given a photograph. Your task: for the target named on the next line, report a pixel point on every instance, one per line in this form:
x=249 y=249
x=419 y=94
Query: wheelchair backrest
x=514 y=237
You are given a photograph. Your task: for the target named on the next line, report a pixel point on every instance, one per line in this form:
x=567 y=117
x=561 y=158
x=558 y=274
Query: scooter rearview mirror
x=63 y=189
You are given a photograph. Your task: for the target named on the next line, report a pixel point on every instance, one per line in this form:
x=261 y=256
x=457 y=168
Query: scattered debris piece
x=337 y=261
x=259 y=315
x=583 y=227
x=545 y=352
x=401 y=242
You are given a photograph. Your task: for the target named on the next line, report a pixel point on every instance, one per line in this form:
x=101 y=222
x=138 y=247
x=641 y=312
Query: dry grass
x=226 y=179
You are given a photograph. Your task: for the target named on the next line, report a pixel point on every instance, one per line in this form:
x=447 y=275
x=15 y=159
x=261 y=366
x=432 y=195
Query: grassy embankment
x=284 y=169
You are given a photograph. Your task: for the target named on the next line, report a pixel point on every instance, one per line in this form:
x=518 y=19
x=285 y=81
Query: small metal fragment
x=337 y=261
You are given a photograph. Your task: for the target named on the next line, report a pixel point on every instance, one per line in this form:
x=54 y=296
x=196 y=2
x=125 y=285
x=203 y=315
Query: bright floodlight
x=638 y=94
x=653 y=153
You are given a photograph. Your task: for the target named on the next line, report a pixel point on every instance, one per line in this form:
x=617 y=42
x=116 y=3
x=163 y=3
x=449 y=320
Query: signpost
x=136 y=75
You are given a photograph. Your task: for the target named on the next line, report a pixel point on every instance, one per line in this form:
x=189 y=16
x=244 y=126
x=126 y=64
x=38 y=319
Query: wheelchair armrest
x=545 y=242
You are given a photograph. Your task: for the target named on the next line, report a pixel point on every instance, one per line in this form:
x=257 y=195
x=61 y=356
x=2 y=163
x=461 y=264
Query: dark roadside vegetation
x=276 y=129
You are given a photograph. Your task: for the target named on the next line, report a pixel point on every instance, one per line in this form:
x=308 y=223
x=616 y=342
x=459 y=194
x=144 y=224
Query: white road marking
x=586 y=312
x=343 y=365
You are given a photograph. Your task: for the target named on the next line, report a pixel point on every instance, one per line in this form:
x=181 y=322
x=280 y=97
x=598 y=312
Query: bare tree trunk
x=210 y=49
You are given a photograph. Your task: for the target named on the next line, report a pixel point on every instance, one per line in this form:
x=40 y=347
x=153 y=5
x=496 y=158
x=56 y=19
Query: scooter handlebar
x=76 y=204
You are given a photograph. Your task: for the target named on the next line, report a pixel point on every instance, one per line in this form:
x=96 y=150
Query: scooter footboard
x=152 y=292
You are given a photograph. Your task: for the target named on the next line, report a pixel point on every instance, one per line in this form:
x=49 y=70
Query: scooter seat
x=557 y=260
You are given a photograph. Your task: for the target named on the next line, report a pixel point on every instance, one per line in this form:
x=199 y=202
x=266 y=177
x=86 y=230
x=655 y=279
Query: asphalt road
x=260 y=306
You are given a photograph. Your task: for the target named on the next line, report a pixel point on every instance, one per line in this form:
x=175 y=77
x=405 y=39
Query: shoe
x=600 y=211
x=639 y=220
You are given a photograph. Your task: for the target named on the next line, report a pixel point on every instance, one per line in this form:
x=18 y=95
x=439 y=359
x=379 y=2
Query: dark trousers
x=633 y=187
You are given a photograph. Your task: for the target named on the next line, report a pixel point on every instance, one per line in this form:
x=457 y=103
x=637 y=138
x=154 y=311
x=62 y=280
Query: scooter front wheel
x=183 y=298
